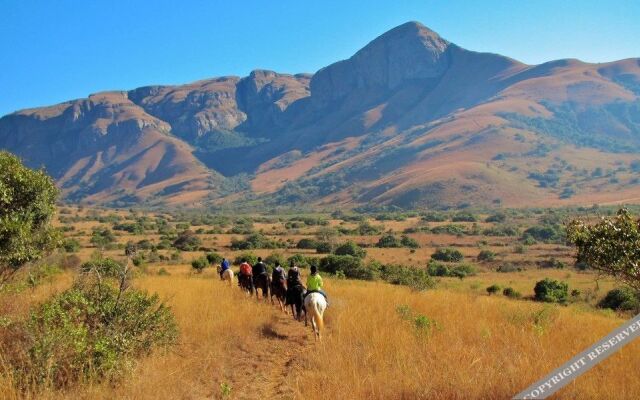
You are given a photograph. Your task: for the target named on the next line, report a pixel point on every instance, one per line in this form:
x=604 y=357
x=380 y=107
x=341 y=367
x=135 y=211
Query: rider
x=259 y=269
x=278 y=274
x=245 y=274
x=314 y=283
x=224 y=265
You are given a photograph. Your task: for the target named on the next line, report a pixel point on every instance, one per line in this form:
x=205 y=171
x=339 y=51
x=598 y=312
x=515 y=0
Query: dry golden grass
x=480 y=347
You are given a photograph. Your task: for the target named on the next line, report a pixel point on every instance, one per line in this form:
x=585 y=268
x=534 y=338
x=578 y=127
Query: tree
x=27 y=205
x=611 y=246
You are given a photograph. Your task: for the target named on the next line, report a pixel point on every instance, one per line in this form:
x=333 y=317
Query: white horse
x=227 y=275
x=315 y=304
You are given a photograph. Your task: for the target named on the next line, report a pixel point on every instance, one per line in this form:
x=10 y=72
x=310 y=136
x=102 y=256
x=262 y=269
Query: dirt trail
x=265 y=368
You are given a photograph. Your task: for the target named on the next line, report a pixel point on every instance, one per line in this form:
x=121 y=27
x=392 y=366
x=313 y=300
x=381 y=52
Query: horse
x=246 y=283
x=262 y=282
x=227 y=275
x=294 y=299
x=315 y=304
x=279 y=290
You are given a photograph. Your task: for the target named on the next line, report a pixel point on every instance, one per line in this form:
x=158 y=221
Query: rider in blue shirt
x=224 y=266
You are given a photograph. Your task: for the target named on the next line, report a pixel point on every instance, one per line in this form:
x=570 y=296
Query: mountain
x=410 y=120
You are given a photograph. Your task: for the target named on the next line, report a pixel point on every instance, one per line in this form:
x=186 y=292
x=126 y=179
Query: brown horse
x=262 y=282
x=246 y=283
x=279 y=290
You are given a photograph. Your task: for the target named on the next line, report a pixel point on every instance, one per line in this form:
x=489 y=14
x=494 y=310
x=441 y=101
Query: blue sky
x=51 y=51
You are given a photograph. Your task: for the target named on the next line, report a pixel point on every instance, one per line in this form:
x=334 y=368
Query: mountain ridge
x=410 y=120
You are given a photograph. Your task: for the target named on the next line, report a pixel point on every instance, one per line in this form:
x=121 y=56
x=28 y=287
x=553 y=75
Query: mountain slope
x=410 y=120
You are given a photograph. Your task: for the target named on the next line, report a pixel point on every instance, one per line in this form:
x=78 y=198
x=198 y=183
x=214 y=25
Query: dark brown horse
x=262 y=282
x=295 y=294
x=279 y=290
x=246 y=283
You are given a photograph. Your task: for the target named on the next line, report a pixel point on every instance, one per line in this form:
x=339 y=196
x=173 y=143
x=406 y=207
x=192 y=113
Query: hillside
x=410 y=120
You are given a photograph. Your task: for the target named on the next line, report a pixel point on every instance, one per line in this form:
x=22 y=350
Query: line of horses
x=312 y=304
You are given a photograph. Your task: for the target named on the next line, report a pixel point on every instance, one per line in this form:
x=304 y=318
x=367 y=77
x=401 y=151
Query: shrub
x=508 y=267
x=434 y=217
x=214 y=258
x=463 y=270
x=409 y=242
x=449 y=229
x=486 y=255
x=464 y=217
x=71 y=245
x=510 y=292
x=297 y=259
x=351 y=266
x=324 y=248
x=187 y=241
x=447 y=254
x=366 y=229
x=275 y=258
x=620 y=299
x=163 y=272
x=551 y=263
x=544 y=233
x=102 y=237
x=254 y=241
x=493 y=289
x=91 y=331
x=199 y=264
x=246 y=257
x=438 y=269
x=350 y=249
x=105 y=267
x=307 y=243
x=415 y=278
x=551 y=291
x=497 y=217
x=388 y=241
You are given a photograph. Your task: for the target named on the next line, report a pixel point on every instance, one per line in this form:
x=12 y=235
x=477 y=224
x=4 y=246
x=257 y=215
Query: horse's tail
x=317 y=317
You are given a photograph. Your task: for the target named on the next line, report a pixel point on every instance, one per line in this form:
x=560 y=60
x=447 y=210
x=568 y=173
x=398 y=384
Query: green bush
x=464 y=217
x=409 y=242
x=71 y=245
x=246 y=257
x=388 y=241
x=438 y=269
x=275 y=258
x=93 y=331
x=254 y=241
x=350 y=249
x=199 y=264
x=187 y=241
x=621 y=299
x=551 y=263
x=415 y=278
x=508 y=267
x=214 y=258
x=463 y=270
x=105 y=267
x=448 y=255
x=324 y=248
x=307 y=243
x=551 y=291
x=434 y=217
x=351 y=267
x=486 y=255
x=493 y=289
x=497 y=217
